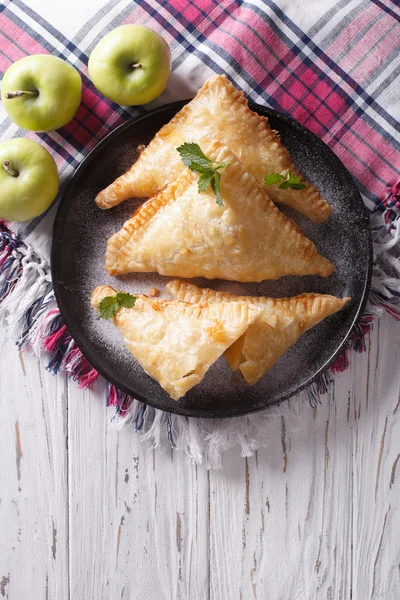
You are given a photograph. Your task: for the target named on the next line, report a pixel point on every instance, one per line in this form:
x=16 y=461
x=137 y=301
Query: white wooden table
x=88 y=512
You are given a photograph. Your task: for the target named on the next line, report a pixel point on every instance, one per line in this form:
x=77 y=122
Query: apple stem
x=18 y=93
x=9 y=169
x=136 y=65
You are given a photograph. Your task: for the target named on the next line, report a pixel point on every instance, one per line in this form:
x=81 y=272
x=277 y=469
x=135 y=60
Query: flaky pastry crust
x=219 y=111
x=176 y=342
x=184 y=233
x=278 y=327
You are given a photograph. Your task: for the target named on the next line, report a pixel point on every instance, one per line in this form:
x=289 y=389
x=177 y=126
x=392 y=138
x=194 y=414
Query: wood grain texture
x=33 y=479
x=314 y=515
x=144 y=514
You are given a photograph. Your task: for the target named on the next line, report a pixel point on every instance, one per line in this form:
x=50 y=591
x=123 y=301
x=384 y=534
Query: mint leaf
x=295 y=182
x=272 y=179
x=198 y=168
x=192 y=153
x=216 y=187
x=110 y=304
x=205 y=180
x=298 y=186
x=108 y=307
x=193 y=157
x=126 y=300
x=220 y=167
x=292 y=178
x=289 y=180
x=284 y=186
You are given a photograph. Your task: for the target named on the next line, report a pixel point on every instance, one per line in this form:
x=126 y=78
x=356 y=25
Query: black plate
x=81 y=231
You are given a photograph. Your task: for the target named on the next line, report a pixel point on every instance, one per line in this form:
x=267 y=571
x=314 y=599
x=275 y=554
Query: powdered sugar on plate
x=80 y=237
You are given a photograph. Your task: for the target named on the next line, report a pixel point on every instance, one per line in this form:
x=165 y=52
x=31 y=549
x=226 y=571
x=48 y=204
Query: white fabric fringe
x=203 y=440
x=33 y=284
x=386 y=248
x=206 y=440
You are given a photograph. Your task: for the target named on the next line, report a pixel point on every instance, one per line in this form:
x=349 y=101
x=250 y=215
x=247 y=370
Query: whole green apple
x=41 y=92
x=131 y=65
x=28 y=179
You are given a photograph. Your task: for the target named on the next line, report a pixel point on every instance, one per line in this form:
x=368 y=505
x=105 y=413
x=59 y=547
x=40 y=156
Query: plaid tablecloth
x=332 y=64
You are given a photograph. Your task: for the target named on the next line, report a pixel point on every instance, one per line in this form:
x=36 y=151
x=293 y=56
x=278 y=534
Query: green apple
x=131 y=65
x=28 y=179
x=41 y=92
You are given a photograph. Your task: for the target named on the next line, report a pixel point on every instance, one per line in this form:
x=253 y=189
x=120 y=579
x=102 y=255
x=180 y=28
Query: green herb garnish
x=286 y=180
x=110 y=304
x=193 y=157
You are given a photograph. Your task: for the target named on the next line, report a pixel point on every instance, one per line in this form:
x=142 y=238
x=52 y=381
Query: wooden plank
x=315 y=514
x=376 y=447
x=139 y=517
x=33 y=472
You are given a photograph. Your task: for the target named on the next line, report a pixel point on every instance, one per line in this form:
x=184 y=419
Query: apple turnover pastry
x=176 y=342
x=219 y=111
x=186 y=233
x=279 y=326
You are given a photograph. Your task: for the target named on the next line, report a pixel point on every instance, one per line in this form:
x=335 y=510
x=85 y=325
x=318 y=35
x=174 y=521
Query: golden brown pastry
x=279 y=326
x=220 y=112
x=175 y=342
x=184 y=233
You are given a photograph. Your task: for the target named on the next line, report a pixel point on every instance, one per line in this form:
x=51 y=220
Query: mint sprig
x=286 y=180
x=110 y=304
x=194 y=158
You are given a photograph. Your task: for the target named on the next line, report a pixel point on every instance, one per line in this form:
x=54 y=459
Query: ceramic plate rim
x=81 y=341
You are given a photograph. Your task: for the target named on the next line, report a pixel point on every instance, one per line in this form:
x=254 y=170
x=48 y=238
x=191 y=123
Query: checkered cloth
x=333 y=65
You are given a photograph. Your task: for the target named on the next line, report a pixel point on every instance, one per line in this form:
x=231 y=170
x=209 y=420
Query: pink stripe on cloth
x=351 y=28
x=367 y=178
x=373 y=59
x=362 y=49
x=141 y=16
x=262 y=60
x=242 y=56
x=281 y=58
x=195 y=10
x=11 y=50
x=283 y=76
x=24 y=40
x=182 y=5
x=190 y=12
x=378 y=173
x=94 y=105
x=4 y=63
